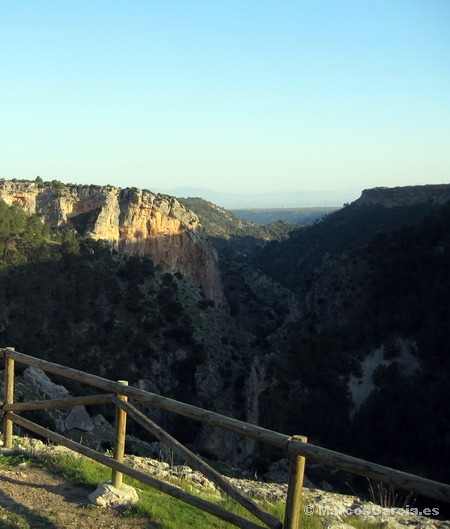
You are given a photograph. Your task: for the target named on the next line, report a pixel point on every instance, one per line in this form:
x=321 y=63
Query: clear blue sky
x=230 y=95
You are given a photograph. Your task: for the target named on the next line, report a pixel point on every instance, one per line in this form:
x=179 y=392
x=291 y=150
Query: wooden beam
x=397 y=478
x=9 y=399
x=119 y=437
x=158 y=401
x=295 y=487
x=104 y=398
x=196 y=463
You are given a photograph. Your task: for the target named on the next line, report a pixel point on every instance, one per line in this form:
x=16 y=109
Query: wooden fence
x=118 y=394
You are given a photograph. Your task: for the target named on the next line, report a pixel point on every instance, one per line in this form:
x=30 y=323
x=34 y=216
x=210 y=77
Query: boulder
x=106 y=495
x=40 y=381
x=79 y=418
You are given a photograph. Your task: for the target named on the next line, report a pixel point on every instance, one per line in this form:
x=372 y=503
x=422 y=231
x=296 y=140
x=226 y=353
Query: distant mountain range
x=276 y=199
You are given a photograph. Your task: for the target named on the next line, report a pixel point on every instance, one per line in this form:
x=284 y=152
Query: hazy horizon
x=234 y=96
x=278 y=199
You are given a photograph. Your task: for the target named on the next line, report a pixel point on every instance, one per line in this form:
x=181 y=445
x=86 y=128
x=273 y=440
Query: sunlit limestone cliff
x=132 y=221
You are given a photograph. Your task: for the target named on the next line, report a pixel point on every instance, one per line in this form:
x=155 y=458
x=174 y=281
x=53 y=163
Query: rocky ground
x=44 y=501
x=34 y=498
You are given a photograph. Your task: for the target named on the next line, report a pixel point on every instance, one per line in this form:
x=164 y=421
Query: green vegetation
x=71 y=300
x=219 y=222
x=23 y=239
x=163 y=511
x=408 y=296
x=292 y=261
x=232 y=236
x=86 y=298
x=359 y=523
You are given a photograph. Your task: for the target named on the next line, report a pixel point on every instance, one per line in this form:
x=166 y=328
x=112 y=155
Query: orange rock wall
x=133 y=221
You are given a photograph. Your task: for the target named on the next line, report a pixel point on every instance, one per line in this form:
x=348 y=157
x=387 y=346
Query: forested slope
x=399 y=305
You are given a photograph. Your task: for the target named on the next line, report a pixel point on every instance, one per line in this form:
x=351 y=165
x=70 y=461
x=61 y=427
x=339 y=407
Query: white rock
x=106 y=495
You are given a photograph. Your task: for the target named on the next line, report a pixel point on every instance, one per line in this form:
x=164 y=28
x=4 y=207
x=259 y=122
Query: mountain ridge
x=390 y=197
x=292 y=261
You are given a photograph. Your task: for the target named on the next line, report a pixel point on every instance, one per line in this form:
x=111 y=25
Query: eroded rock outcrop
x=132 y=221
x=390 y=197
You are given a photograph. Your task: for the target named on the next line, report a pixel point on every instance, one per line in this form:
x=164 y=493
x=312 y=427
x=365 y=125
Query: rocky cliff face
x=133 y=221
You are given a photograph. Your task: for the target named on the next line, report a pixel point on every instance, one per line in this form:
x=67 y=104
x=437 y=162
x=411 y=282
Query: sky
x=237 y=96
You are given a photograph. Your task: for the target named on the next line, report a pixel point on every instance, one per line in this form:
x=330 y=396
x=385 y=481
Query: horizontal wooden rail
x=162 y=486
x=354 y=465
x=104 y=398
x=158 y=401
x=410 y=482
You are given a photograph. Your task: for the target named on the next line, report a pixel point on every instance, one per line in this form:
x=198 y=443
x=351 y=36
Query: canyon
x=337 y=331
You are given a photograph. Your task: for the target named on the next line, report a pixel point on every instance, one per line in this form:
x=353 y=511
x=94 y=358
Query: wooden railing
x=118 y=394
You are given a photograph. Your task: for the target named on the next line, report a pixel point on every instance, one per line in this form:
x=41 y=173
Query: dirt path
x=34 y=498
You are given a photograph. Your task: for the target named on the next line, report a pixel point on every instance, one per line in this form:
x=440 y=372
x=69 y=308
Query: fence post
x=119 y=439
x=295 y=486
x=9 y=399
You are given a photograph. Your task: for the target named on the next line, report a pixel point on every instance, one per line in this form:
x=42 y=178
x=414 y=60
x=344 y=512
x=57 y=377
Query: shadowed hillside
x=292 y=261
